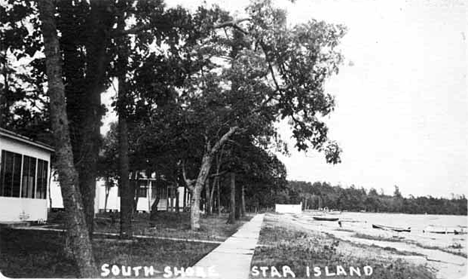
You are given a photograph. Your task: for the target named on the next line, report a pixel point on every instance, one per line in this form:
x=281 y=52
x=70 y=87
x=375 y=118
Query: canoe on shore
x=325 y=218
x=388 y=228
x=445 y=230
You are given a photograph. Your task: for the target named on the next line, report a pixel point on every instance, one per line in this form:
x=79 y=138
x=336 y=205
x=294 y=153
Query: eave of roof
x=12 y=135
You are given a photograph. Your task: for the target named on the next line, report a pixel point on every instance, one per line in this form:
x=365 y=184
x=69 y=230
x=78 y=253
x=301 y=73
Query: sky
x=402 y=103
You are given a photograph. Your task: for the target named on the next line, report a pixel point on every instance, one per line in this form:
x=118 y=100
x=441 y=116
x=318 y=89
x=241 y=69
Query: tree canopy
x=190 y=85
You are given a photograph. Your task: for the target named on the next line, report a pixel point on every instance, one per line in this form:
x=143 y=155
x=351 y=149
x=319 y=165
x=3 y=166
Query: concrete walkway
x=231 y=259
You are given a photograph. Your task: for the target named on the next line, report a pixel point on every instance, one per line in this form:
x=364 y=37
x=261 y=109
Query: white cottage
x=24 y=178
x=148 y=189
x=108 y=198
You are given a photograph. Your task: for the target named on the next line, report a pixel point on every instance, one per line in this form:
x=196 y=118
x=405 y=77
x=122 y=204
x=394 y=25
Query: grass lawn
x=174 y=225
x=292 y=248
x=36 y=254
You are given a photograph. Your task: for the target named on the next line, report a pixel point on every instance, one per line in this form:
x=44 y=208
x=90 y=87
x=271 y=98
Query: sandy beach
x=443 y=255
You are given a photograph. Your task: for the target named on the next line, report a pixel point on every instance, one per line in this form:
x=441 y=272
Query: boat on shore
x=388 y=228
x=324 y=211
x=348 y=220
x=325 y=218
x=445 y=230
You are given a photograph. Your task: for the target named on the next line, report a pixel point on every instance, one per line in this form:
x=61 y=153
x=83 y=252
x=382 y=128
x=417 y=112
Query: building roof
x=4 y=133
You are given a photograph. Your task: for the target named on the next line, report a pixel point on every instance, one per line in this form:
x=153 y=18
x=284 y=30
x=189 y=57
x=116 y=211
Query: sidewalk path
x=232 y=258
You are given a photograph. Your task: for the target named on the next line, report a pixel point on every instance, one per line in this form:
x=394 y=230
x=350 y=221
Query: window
x=42 y=175
x=158 y=190
x=142 y=189
x=29 y=177
x=10 y=177
x=23 y=176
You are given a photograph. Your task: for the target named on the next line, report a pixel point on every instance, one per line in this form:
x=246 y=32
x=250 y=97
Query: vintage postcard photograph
x=243 y=139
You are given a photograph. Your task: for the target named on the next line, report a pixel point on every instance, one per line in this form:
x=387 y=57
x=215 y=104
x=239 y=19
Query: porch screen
x=23 y=176
x=10 y=174
x=42 y=167
x=29 y=177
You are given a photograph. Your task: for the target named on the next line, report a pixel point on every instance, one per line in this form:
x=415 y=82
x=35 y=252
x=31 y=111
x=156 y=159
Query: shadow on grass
x=174 y=225
x=39 y=254
x=36 y=254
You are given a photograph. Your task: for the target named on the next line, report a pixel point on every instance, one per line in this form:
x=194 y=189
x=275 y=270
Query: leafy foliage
x=193 y=82
x=322 y=194
x=23 y=104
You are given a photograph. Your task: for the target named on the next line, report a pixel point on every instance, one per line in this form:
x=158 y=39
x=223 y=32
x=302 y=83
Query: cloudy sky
x=402 y=110
x=402 y=103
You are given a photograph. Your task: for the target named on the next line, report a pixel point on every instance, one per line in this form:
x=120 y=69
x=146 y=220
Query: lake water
x=417 y=222
x=443 y=253
x=362 y=223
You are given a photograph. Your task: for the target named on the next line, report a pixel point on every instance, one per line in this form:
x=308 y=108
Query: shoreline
x=363 y=244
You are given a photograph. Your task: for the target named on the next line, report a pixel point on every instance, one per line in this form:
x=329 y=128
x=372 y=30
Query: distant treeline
x=322 y=194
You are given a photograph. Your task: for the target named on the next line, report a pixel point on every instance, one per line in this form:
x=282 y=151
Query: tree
x=232 y=199
x=68 y=177
x=85 y=28
x=107 y=161
x=23 y=102
x=271 y=72
x=397 y=193
x=91 y=35
x=226 y=79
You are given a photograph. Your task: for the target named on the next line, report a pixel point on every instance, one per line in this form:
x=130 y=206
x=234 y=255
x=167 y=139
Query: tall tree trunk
x=238 y=203
x=207 y=197
x=77 y=229
x=148 y=193
x=87 y=183
x=242 y=201
x=185 y=198
x=211 y=201
x=232 y=200
x=218 y=199
x=49 y=192
x=216 y=182
x=126 y=193
x=100 y=22
x=126 y=197
x=177 y=199
x=135 y=190
x=154 y=208
x=106 y=198
x=207 y=160
x=196 y=192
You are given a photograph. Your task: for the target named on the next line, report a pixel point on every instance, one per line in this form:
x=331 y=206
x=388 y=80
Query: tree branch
x=218 y=174
x=189 y=182
x=223 y=139
x=233 y=24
